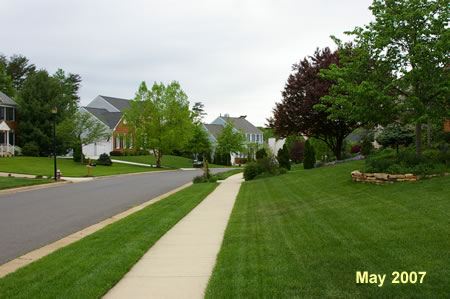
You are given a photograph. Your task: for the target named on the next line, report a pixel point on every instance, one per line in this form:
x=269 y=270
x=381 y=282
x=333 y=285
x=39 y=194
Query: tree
x=200 y=143
x=18 y=68
x=198 y=112
x=38 y=95
x=230 y=140
x=409 y=40
x=297 y=115
x=261 y=154
x=6 y=83
x=80 y=130
x=297 y=151
x=396 y=135
x=310 y=158
x=283 y=157
x=160 y=119
x=70 y=85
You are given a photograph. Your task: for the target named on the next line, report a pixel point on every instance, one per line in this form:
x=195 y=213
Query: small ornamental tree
x=310 y=156
x=283 y=157
x=396 y=135
x=297 y=151
x=366 y=147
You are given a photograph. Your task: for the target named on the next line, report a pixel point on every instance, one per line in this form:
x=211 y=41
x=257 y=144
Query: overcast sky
x=234 y=56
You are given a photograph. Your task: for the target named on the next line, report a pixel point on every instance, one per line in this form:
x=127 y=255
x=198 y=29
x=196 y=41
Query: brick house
x=8 y=125
x=109 y=111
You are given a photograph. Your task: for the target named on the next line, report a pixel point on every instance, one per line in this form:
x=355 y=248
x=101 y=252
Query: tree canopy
x=405 y=51
x=297 y=114
x=160 y=118
x=39 y=93
x=230 y=140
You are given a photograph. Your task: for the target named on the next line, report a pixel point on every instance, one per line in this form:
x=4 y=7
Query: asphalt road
x=32 y=219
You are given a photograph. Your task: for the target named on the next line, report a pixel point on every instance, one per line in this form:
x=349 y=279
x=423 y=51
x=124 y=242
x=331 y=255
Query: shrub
x=269 y=165
x=104 y=159
x=252 y=170
x=200 y=179
x=77 y=154
x=355 y=149
x=30 y=149
x=366 y=147
x=283 y=157
x=115 y=153
x=297 y=151
x=378 y=164
x=260 y=154
x=310 y=158
x=283 y=170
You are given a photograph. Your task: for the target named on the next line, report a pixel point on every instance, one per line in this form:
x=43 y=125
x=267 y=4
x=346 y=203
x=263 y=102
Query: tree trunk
x=338 y=150
x=81 y=153
x=428 y=135
x=158 y=161
x=419 y=140
x=205 y=169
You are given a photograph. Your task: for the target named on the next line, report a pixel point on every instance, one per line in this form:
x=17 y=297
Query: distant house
x=109 y=111
x=8 y=125
x=252 y=133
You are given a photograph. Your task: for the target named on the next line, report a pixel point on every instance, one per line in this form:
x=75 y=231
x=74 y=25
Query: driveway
x=32 y=219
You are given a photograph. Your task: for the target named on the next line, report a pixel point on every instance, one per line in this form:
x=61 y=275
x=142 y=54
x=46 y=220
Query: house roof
x=118 y=103
x=214 y=129
x=241 y=123
x=4 y=99
x=111 y=119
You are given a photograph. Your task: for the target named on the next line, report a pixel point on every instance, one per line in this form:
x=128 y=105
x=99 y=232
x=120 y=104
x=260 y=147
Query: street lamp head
x=54 y=110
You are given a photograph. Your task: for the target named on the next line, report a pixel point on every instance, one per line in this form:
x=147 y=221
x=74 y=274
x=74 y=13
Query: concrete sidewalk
x=180 y=263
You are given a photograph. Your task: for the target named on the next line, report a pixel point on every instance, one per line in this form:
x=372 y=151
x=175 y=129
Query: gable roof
x=118 y=103
x=4 y=99
x=214 y=129
x=241 y=123
x=111 y=119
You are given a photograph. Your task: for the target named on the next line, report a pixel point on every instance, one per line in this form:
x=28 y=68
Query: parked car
x=197 y=164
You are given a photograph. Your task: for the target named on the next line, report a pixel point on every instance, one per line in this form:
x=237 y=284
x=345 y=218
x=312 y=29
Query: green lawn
x=90 y=267
x=44 y=166
x=10 y=182
x=306 y=233
x=167 y=161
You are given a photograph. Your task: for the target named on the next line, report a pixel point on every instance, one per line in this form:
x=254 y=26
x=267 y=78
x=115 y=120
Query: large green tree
x=39 y=93
x=199 y=144
x=160 y=118
x=6 y=83
x=408 y=47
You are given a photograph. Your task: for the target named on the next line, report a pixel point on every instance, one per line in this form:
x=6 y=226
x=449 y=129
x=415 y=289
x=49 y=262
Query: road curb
x=33 y=187
x=34 y=255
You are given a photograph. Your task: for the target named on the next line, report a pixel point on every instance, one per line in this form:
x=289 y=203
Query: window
x=257 y=138
x=2 y=138
x=12 y=138
x=10 y=113
x=2 y=113
x=253 y=137
x=117 y=142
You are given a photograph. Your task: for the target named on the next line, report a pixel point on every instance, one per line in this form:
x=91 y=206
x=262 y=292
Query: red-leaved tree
x=296 y=115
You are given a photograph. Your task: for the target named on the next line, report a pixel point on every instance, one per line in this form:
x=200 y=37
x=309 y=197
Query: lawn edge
x=33 y=187
x=28 y=258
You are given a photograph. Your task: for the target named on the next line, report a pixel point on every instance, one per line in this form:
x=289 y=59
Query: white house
x=252 y=133
x=108 y=111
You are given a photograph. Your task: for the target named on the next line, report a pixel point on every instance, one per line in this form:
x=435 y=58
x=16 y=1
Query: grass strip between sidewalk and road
x=11 y=182
x=90 y=267
x=305 y=234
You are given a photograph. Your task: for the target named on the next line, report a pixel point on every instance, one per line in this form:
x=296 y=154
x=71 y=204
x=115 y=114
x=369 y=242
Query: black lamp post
x=54 y=110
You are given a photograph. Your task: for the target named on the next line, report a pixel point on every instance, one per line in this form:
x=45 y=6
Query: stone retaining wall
x=385 y=178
